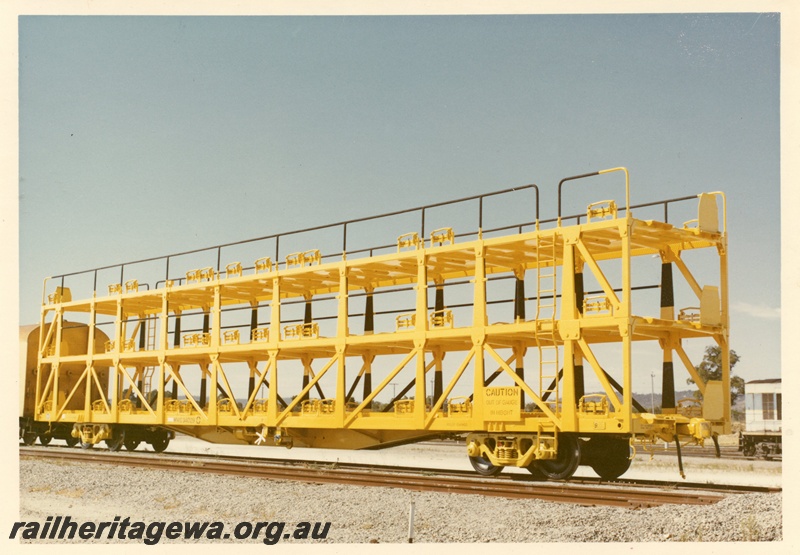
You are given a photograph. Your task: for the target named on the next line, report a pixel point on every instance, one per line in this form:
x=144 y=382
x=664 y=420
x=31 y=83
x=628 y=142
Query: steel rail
x=726 y=453
x=619 y=495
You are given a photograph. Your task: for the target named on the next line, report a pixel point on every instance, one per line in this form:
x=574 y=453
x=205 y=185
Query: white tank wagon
x=763 y=419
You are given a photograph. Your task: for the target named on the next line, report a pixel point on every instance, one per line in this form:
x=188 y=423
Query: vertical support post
x=519 y=296
x=342 y=331
x=306 y=359
x=275 y=314
x=58 y=321
x=272 y=402
x=438 y=354
x=39 y=356
x=251 y=384
x=213 y=415
x=479 y=316
x=163 y=336
x=667 y=313
x=176 y=336
x=479 y=320
x=161 y=401
x=569 y=416
x=163 y=341
x=274 y=340
x=724 y=344
x=307 y=319
x=367 y=358
x=201 y=399
x=119 y=329
x=253 y=325
x=369 y=314
x=519 y=316
x=725 y=354
x=216 y=319
x=174 y=370
x=216 y=329
x=626 y=327
x=253 y=316
x=420 y=335
x=570 y=315
x=87 y=394
x=140 y=369
x=90 y=342
x=519 y=354
x=176 y=343
x=204 y=366
x=580 y=390
x=438 y=357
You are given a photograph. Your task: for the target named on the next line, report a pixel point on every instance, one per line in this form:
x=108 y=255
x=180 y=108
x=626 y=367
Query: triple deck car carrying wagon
x=138 y=363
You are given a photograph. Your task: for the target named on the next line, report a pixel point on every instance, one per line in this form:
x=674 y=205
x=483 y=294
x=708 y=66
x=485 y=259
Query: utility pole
x=652 y=393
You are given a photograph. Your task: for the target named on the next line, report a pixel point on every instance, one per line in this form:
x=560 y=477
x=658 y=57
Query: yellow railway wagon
x=136 y=363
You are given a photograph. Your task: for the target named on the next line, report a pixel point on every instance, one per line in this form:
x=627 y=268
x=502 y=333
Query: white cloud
x=757 y=311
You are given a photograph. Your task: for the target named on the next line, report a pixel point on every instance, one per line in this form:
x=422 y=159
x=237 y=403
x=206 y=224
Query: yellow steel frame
x=474 y=345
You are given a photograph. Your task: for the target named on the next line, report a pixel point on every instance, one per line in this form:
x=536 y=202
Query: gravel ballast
x=92 y=492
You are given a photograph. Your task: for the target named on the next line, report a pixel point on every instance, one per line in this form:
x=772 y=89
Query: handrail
x=535 y=224
x=600 y=172
x=342 y=224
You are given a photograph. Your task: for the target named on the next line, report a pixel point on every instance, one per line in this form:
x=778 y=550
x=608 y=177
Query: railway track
x=727 y=452
x=639 y=494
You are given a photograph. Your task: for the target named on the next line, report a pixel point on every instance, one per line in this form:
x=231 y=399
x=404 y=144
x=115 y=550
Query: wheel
x=45 y=438
x=72 y=441
x=132 y=444
x=29 y=437
x=115 y=442
x=484 y=467
x=567 y=459
x=611 y=457
x=159 y=443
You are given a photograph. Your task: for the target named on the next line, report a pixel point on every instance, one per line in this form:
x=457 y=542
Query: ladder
x=149 y=371
x=546 y=340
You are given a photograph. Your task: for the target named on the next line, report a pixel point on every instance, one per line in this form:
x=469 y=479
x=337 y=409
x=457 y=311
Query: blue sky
x=145 y=136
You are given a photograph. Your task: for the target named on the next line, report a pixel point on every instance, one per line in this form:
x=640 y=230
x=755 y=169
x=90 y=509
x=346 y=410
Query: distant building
x=763 y=405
